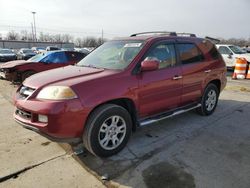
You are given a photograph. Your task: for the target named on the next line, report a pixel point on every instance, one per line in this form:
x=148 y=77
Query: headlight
x=56 y=93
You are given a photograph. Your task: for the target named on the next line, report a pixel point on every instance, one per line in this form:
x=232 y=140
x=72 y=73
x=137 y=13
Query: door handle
x=177 y=77
x=207 y=71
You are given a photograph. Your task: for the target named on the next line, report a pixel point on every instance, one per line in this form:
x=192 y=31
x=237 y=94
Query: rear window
x=189 y=53
x=210 y=49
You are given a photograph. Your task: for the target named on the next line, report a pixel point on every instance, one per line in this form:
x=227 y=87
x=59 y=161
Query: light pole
x=34 y=24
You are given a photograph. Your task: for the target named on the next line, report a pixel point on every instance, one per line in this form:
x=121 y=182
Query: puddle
x=166 y=175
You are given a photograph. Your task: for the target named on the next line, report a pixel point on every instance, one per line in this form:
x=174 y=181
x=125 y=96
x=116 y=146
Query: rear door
x=160 y=90
x=194 y=71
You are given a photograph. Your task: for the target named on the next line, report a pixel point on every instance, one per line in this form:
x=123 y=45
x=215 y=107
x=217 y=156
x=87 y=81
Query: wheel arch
x=126 y=103
x=216 y=82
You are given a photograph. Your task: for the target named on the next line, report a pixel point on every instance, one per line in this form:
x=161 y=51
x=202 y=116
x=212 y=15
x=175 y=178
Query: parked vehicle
x=19 y=70
x=123 y=84
x=82 y=50
x=52 y=48
x=230 y=53
x=25 y=54
x=38 y=50
x=7 y=55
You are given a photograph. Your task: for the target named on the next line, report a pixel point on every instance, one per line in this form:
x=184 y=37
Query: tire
x=27 y=74
x=101 y=136
x=209 y=100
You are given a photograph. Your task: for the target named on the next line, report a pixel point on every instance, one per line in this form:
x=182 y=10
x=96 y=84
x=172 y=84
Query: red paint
x=151 y=92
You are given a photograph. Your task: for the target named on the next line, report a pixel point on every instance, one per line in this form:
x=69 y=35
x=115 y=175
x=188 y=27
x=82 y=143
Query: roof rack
x=213 y=40
x=164 y=33
x=186 y=34
x=155 y=32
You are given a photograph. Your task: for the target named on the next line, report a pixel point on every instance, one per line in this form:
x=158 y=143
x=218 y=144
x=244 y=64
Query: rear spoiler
x=213 y=40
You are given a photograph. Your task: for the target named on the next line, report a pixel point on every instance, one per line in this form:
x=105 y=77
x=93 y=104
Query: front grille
x=23 y=114
x=25 y=92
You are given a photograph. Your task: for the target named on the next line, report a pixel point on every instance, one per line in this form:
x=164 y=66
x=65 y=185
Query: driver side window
x=164 y=53
x=56 y=57
x=224 y=50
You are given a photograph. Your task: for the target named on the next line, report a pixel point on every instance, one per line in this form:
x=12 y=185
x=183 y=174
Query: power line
x=43 y=29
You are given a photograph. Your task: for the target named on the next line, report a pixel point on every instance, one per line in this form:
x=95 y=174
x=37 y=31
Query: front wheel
x=209 y=100
x=107 y=130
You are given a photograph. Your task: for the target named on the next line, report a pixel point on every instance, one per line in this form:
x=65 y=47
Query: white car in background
x=230 y=53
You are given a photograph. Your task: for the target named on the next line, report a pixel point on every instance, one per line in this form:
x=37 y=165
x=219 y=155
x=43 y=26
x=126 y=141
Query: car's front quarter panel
x=65 y=117
x=119 y=86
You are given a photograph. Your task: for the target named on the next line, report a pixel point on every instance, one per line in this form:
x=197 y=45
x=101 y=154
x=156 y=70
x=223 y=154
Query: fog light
x=43 y=118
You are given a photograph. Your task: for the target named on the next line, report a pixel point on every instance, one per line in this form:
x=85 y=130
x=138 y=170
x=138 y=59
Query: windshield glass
x=37 y=58
x=237 y=50
x=27 y=51
x=115 y=55
x=6 y=52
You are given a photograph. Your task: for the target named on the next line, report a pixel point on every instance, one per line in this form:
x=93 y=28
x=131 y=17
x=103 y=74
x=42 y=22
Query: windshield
x=37 y=58
x=237 y=50
x=40 y=48
x=115 y=55
x=27 y=51
x=6 y=52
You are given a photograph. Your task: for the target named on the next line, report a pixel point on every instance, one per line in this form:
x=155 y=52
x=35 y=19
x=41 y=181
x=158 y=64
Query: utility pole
x=32 y=32
x=102 y=36
x=34 y=24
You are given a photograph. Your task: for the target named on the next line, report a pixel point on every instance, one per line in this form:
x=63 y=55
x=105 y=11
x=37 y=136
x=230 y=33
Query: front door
x=160 y=90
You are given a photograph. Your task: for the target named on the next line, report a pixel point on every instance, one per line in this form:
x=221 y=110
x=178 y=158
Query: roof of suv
x=158 y=34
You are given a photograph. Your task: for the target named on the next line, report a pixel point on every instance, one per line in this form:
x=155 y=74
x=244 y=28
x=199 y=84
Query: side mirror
x=230 y=55
x=149 y=65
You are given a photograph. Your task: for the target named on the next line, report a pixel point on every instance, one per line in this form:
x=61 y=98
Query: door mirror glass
x=149 y=65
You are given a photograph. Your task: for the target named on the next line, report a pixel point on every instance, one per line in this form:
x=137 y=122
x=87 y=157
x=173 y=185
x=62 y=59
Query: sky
x=117 y=18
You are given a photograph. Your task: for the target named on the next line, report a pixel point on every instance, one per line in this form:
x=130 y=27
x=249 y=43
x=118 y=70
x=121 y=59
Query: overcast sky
x=215 y=18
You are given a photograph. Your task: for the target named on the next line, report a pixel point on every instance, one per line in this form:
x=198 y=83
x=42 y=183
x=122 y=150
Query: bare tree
x=12 y=35
x=67 y=38
x=57 y=38
x=78 y=42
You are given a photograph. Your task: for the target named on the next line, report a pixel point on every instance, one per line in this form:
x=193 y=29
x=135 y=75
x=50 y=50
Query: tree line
x=24 y=35
x=90 y=41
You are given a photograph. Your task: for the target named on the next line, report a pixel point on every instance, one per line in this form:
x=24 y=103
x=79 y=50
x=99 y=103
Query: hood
x=12 y=64
x=246 y=56
x=58 y=75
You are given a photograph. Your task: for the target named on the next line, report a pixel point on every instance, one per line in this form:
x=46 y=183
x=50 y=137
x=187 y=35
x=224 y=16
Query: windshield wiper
x=91 y=66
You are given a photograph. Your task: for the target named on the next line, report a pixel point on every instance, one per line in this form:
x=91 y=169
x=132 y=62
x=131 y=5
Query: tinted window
x=164 y=53
x=57 y=57
x=224 y=50
x=209 y=48
x=189 y=53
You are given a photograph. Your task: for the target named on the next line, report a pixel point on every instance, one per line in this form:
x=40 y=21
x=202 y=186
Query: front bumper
x=66 y=119
x=8 y=76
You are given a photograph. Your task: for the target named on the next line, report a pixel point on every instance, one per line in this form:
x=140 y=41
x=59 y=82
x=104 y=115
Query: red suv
x=123 y=84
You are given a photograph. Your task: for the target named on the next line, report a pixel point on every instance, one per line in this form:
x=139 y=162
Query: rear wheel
x=27 y=74
x=107 y=130
x=209 y=100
